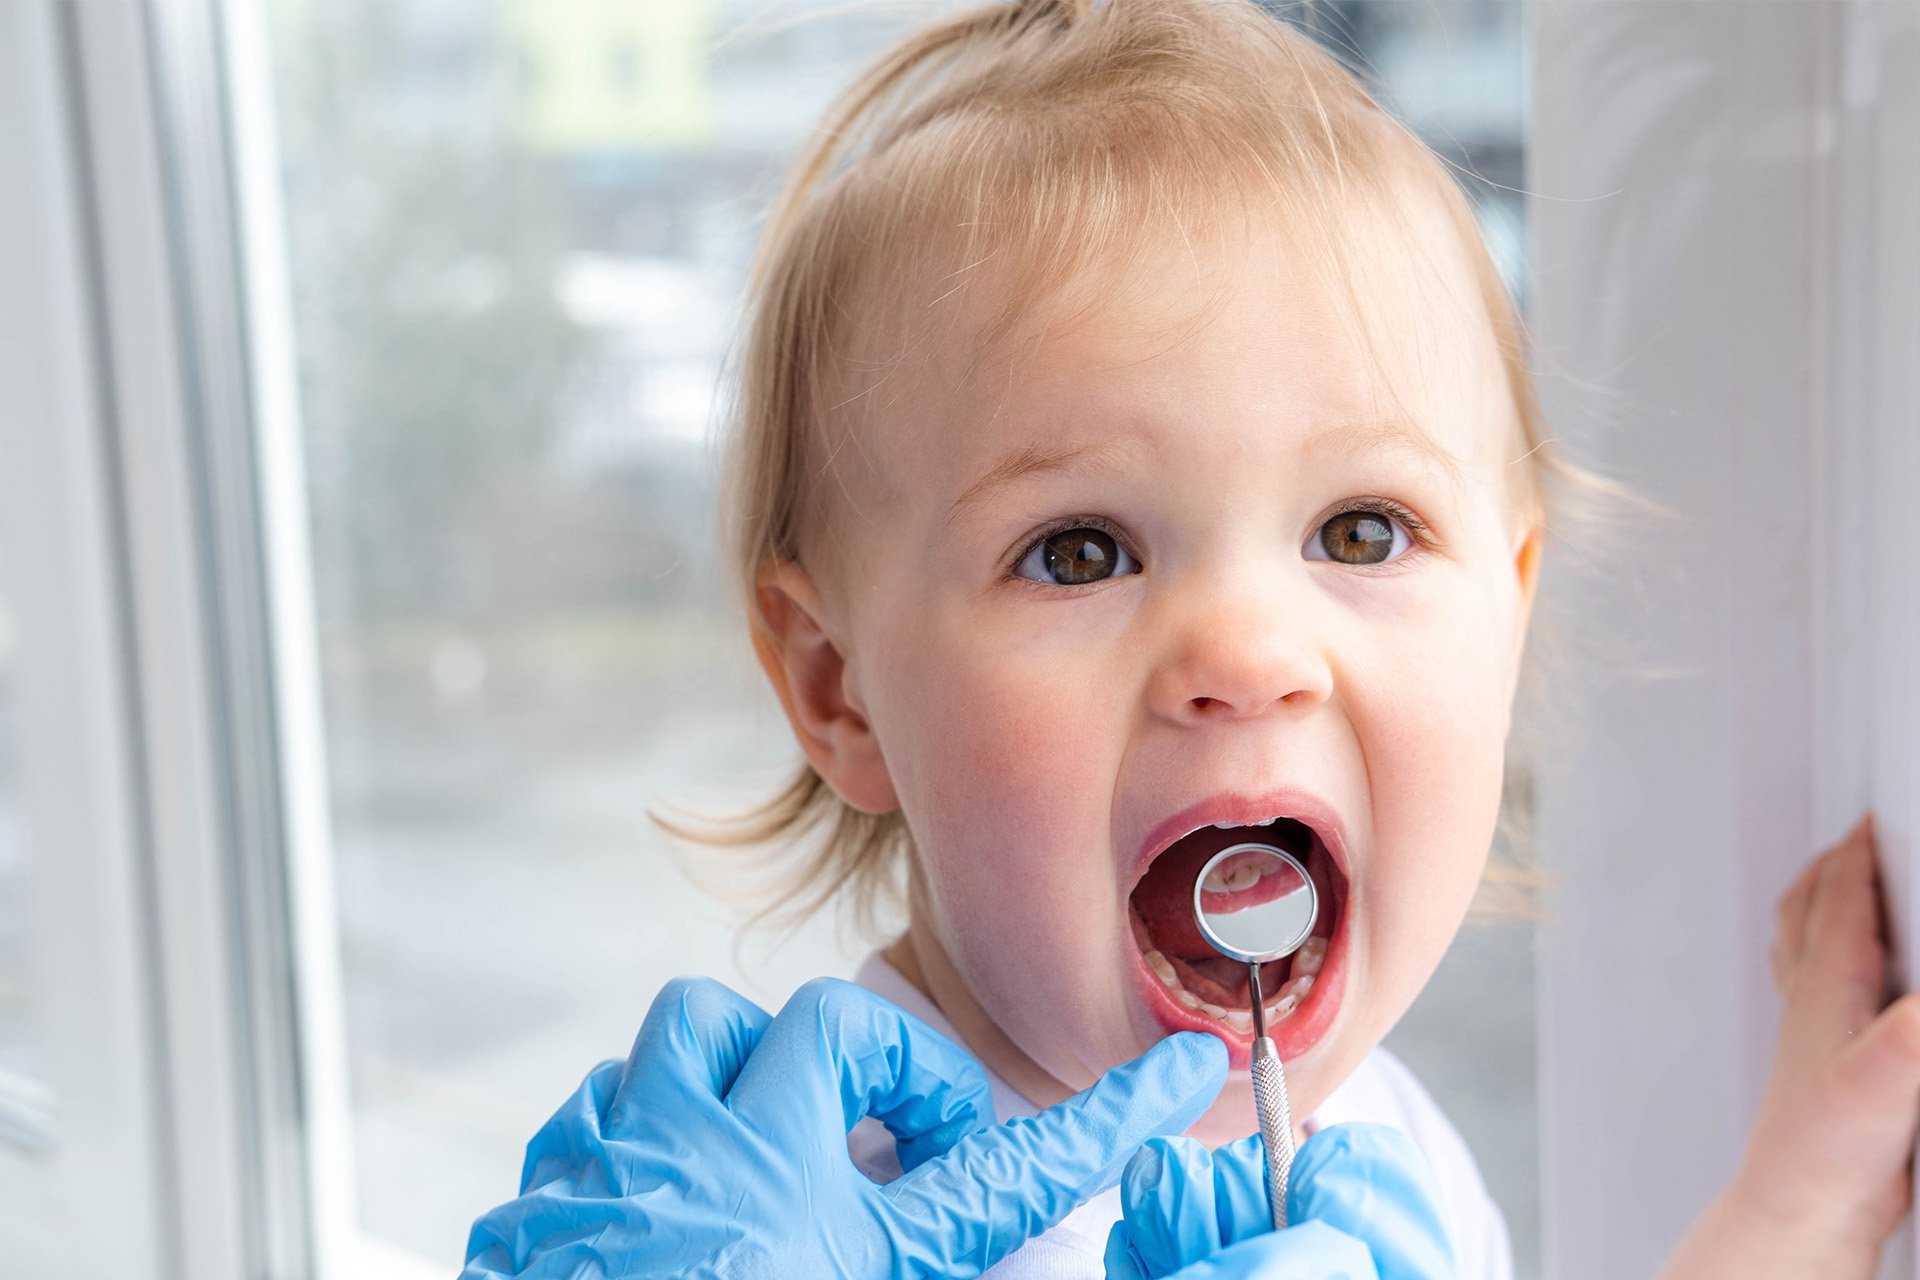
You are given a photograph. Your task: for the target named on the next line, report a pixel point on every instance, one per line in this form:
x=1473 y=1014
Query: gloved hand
x=718 y=1148
x=1361 y=1198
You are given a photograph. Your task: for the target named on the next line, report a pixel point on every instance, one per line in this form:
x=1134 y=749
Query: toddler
x=1135 y=450
x=1135 y=453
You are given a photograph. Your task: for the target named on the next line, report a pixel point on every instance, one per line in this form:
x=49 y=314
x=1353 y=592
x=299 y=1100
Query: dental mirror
x=1256 y=904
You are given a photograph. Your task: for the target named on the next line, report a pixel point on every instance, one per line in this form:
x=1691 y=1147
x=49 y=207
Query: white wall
x=1724 y=222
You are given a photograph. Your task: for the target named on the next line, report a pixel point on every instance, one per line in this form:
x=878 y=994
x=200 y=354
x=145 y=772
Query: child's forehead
x=1384 y=324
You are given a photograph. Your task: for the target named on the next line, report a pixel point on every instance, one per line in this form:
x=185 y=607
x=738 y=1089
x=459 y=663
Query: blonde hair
x=1050 y=136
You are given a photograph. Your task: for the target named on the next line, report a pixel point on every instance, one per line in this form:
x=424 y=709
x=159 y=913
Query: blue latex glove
x=1362 y=1199
x=718 y=1148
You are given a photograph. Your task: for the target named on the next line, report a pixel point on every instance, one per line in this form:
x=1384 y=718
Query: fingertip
x=1202 y=1056
x=1189 y=1068
x=1167 y=1202
x=1145 y=1165
x=915 y=1147
x=1845 y=881
x=1856 y=849
x=1240 y=1189
x=1119 y=1260
x=1145 y=1170
x=1859 y=841
x=1158 y=1157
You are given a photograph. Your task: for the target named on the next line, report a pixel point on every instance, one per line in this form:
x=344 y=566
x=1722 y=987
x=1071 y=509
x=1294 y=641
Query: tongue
x=1164 y=898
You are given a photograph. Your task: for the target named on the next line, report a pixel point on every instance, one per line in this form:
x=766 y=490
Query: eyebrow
x=1355 y=440
x=1348 y=440
x=1031 y=460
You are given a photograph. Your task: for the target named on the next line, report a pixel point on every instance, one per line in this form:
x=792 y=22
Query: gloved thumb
x=999 y=1187
x=1370 y=1181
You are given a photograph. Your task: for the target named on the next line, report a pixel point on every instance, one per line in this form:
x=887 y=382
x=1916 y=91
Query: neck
x=923 y=962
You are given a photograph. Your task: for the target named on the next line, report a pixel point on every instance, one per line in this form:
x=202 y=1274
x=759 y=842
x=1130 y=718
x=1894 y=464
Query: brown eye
x=1076 y=557
x=1359 y=538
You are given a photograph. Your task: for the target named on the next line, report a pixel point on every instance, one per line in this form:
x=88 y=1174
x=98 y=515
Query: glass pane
x=17 y=1054
x=518 y=235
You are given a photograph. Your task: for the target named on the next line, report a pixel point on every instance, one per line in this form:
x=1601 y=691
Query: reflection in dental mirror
x=1255 y=903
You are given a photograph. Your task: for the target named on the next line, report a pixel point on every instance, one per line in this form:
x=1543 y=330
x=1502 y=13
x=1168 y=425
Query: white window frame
x=179 y=1133
x=1726 y=290
x=85 y=1144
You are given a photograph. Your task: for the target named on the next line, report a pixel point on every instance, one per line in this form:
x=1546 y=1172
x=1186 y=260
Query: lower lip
x=1293 y=1036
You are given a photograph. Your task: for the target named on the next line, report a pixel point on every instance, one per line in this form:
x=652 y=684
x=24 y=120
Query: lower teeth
x=1307 y=964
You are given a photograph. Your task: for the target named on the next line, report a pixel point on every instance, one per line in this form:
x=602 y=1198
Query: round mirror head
x=1255 y=903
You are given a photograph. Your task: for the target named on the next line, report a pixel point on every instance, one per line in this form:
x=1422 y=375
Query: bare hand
x=1828 y=1169
x=1833 y=1143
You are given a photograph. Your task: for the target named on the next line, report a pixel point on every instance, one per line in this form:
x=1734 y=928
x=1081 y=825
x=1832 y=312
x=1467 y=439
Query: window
x=18 y=1057
x=509 y=312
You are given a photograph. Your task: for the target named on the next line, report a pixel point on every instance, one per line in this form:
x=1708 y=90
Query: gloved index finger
x=838 y=1051
x=998 y=1188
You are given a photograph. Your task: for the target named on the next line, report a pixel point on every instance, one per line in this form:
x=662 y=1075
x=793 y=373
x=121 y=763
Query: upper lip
x=1244 y=810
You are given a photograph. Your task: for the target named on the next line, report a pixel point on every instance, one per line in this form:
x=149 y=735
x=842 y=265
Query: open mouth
x=1190 y=986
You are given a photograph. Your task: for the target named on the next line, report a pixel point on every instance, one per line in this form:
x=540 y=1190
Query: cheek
x=1003 y=764
x=1437 y=735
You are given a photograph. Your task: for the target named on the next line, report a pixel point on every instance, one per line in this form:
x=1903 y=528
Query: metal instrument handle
x=1276 y=1124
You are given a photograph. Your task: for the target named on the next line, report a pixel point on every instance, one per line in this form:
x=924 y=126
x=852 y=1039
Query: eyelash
x=1416 y=528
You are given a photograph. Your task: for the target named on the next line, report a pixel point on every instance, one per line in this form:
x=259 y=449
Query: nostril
x=1214 y=683
x=1204 y=702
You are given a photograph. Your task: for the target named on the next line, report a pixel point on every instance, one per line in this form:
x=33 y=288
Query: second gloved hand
x=1361 y=1198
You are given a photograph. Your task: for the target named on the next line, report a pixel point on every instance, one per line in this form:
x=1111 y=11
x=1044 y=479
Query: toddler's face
x=1209 y=557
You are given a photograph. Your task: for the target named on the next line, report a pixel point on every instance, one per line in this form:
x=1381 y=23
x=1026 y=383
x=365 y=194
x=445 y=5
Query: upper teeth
x=1233 y=879
x=1229 y=826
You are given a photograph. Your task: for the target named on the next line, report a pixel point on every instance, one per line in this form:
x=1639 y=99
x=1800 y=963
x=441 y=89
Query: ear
x=809 y=674
x=1526 y=565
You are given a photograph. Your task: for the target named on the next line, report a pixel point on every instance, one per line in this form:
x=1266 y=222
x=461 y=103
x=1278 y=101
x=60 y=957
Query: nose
x=1240 y=655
